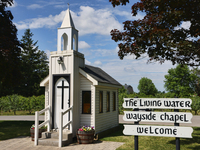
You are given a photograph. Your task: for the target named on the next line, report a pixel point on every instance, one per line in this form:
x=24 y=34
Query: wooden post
x=36 y=127
x=60 y=130
x=70 y=128
x=136 y=136
x=177 y=139
x=49 y=127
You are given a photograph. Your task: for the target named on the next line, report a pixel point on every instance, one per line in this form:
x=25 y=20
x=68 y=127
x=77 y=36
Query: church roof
x=100 y=75
x=67 y=22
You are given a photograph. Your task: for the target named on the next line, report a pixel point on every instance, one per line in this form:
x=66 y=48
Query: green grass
x=12 y=129
x=155 y=143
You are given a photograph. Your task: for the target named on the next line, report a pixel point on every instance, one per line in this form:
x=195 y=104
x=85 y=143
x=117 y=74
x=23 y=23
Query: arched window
x=64 y=43
x=74 y=43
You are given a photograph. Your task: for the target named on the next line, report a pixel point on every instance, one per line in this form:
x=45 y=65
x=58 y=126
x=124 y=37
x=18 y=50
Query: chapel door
x=61 y=101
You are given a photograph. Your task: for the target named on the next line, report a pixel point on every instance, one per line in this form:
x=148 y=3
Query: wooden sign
x=158 y=103
x=171 y=117
x=165 y=131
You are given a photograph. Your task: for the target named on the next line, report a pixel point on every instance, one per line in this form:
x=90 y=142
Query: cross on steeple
x=68 y=5
x=62 y=92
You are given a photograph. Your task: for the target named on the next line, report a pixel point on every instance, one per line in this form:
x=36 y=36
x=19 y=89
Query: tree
x=180 y=81
x=34 y=66
x=14 y=102
x=159 y=34
x=122 y=94
x=195 y=104
x=196 y=72
x=147 y=87
x=10 y=49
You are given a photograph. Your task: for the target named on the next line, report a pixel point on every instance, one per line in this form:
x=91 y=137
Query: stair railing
x=61 y=127
x=37 y=125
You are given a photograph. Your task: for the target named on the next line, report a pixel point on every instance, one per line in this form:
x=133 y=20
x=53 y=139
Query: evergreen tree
x=10 y=49
x=34 y=66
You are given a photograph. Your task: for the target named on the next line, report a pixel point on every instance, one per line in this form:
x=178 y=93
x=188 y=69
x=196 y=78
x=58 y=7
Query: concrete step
x=52 y=142
x=55 y=135
x=51 y=138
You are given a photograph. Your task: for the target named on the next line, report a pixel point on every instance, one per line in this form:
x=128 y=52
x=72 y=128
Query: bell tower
x=67 y=34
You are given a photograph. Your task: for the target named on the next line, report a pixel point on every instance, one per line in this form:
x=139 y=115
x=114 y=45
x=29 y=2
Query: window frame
x=83 y=102
x=114 y=101
x=100 y=102
x=108 y=102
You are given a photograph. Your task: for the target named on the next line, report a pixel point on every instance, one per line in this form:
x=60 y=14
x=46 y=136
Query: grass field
x=12 y=129
x=155 y=143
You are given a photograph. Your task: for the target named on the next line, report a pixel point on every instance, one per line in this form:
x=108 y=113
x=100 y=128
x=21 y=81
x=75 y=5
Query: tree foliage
x=17 y=103
x=196 y=104
x=147 y=87
x=34 y=66
x=10 y=48
x=160 y=34
x=180 y=81
x=122 y=94
x=196 y=72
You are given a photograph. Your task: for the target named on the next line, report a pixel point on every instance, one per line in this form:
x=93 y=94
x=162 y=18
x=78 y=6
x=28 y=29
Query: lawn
x=155 y=143
x=12 y=129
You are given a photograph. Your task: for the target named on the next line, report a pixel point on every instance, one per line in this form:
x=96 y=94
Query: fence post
x=71 y=130
x=48 y=127
x=136 y=136
x=36 y=127
x=60 y=130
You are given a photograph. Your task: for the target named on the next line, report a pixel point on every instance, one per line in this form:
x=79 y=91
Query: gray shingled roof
x=100 y=75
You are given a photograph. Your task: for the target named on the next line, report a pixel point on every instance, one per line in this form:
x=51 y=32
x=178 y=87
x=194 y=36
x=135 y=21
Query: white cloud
x=128 y=15
x=131 y=71
x=48 y=22
x=83 y=45
x=98 y=63
x=104 y=52
x=87 y=62
x=186 y=24
x=34 y=6
x=90 y=21
x=47 y=52
x=87 y=21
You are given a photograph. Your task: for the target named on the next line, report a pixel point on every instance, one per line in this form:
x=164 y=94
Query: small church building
x=90 y=93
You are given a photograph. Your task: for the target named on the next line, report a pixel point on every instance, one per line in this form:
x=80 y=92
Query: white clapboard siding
x=64 y=68
x=106 y=119
x=46 y=100
x=86 y=119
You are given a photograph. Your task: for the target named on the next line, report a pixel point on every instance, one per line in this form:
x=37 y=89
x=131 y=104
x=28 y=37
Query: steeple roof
x=67 y=22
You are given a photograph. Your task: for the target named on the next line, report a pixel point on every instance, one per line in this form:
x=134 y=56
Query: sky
x=94 y=19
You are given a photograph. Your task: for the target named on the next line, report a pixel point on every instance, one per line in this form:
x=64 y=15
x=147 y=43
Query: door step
x=51 y=139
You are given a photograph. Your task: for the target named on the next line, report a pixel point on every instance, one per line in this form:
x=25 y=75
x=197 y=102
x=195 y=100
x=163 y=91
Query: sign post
x=136 y=137
x=175 y=117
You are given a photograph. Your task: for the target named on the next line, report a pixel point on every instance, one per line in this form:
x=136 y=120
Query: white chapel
x=89 y=93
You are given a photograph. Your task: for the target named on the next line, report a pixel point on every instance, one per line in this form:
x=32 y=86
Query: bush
x=16 y=102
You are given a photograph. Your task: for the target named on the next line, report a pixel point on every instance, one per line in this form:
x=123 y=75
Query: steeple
x=67 y=34
x=67 y=22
